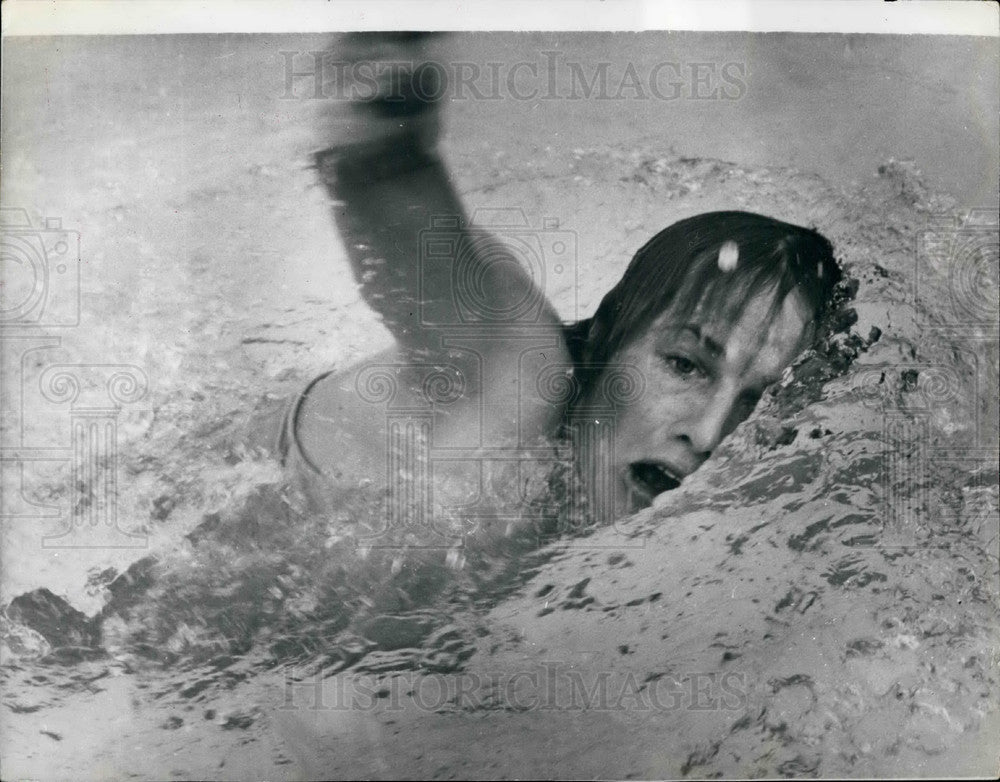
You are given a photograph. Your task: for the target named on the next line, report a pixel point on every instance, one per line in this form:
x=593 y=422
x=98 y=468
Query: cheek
x=656 y=410
x=662 y=400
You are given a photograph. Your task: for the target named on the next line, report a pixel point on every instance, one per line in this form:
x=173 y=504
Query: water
x=819 y=599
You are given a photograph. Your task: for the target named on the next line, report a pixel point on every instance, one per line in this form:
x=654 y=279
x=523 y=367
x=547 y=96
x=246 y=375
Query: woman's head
x=710 y=311
x=679 y=268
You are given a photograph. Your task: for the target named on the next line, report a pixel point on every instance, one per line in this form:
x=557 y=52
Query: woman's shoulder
x=487 y=383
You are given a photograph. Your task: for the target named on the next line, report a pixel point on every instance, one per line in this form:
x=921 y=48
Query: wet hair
x=712 y=263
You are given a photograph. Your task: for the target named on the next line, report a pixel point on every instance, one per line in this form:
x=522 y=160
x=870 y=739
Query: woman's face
x=702 y=378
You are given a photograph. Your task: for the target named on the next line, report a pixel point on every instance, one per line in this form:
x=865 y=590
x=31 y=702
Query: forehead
x=761 y=340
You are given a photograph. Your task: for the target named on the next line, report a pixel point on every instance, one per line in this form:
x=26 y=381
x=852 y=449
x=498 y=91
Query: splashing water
x=837 y=557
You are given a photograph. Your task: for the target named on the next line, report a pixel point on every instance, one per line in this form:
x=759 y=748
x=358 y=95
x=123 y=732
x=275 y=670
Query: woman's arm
x=382 y=202
x=404 y=227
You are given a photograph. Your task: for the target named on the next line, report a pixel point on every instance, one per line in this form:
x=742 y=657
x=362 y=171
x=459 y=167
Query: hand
x=381 y=92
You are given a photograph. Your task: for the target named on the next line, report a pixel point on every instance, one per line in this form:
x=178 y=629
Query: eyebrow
x=717 y=351
x=714 y=347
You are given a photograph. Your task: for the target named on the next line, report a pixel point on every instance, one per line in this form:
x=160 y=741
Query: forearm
x=383 y=197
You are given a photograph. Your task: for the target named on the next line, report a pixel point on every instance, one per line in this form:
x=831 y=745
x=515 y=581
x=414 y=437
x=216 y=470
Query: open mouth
x=652 y=478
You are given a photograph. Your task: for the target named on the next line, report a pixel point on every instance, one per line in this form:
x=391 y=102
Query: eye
x=682 y=365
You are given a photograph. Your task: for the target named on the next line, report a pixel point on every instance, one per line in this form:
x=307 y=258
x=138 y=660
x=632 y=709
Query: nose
x=704 y=429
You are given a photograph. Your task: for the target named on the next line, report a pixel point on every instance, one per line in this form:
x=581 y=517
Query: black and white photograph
x=422 y=390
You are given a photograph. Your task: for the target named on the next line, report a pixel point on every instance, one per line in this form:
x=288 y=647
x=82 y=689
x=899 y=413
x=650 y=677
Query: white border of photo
x=141 y=17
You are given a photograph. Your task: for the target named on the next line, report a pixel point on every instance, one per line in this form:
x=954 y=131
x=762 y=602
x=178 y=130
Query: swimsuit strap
x=290 y=430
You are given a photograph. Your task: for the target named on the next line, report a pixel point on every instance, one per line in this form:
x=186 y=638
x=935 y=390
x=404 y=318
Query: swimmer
x=708 y=314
